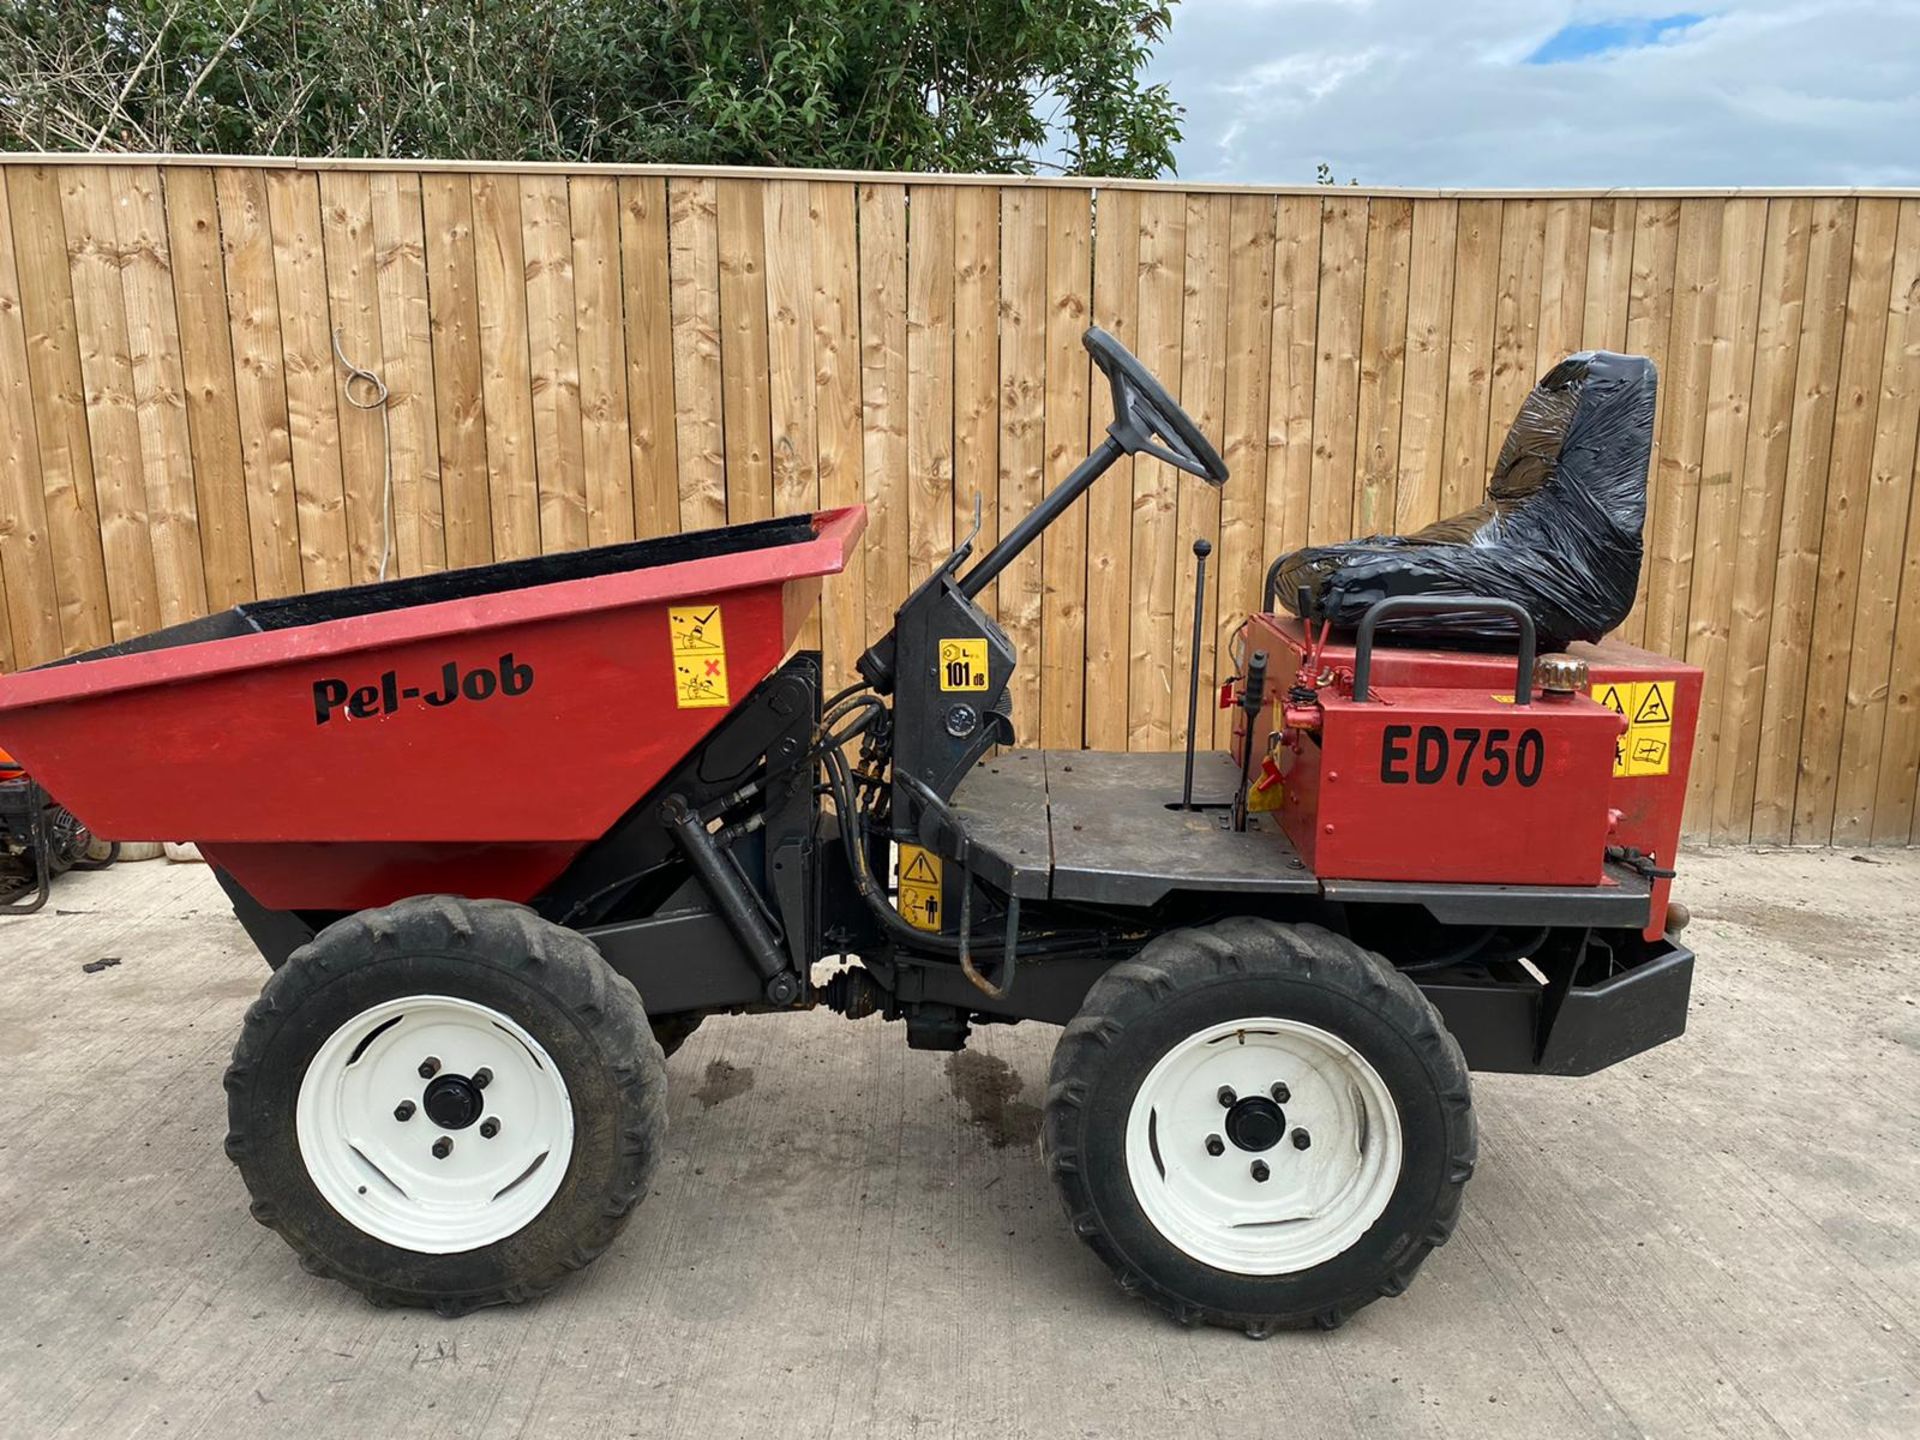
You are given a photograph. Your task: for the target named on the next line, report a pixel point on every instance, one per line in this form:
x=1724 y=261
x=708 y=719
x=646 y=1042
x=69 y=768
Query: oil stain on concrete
x=988 y=1087
x=723 y=1081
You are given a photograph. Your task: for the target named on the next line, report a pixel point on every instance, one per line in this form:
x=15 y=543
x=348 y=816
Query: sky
x=1499 y=93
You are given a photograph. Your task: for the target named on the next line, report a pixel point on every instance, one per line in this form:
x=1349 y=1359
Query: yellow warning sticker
x=1653 y=707
x=920 y=887
x=963 y=664
x=1646 y=746
x=699 y=657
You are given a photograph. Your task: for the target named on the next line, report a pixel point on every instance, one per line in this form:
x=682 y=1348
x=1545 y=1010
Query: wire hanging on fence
x=375 y=392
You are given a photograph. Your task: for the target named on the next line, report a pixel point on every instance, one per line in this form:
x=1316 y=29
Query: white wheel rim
x=381 y=1172
x=1316 y=1202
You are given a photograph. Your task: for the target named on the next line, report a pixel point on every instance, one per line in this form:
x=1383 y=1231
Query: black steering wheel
x=1143 y=413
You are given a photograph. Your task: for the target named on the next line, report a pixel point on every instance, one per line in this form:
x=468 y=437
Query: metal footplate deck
x=1106 y=828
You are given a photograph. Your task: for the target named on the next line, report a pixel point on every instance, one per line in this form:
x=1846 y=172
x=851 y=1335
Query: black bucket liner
x=320 y=606
x=1559 y=532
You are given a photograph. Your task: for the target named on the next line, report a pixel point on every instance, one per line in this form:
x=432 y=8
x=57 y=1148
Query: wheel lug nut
x=1281 y=1095
x=482 y=1078
x=489 y=1128
x=1215 y=1145
x=442 y=1148
x=403 y=1111
x=429 y=1067
x=1226 y=1095
x=1301 y=1140
x=1260 y=1171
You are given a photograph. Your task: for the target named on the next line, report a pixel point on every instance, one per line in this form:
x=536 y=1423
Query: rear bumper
x=1520 y=1030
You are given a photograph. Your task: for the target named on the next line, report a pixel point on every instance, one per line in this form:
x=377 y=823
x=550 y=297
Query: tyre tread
x=1231 y=949
x=509 y=937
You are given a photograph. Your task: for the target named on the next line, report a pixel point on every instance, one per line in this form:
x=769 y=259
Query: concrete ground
x=846 y=1238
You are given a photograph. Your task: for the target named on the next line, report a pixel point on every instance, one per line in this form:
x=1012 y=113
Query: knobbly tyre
x=506 y=835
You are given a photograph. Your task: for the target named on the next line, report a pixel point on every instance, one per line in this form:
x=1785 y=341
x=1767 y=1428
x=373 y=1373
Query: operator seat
x=1559 y=531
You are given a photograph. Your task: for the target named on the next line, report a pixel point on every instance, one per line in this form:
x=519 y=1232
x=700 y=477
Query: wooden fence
x=577 y=356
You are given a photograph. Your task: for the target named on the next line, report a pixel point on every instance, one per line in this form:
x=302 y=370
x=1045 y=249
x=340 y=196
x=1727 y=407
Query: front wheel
x=1259 y=1125
x=446 y=1102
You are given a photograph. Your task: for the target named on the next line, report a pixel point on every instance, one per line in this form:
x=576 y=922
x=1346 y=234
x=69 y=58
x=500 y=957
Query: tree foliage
x=997 y=85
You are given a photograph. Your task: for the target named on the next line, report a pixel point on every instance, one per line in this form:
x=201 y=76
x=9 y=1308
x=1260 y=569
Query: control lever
x=1201 y=549
x=1253 y=699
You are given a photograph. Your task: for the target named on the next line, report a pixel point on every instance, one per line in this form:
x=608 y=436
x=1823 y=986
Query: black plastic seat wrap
x=1559 y=531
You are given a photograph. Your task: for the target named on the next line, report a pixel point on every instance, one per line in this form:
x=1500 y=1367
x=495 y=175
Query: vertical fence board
x=1063 y=565
x=1290 y=375
x=1152 y=690
x=1516 y=317
x=1609 y=275
x=406 y=335
x=1883 y=544
x=1897 y=772
x=1563 y=282
x=60 y=407
x=1761 y=490
x=153 y=340
x=1476 y=285
x=1383 y=353
x=790 y=368
x=646 y=291
x=693 y=247
x=1797 y=561
x=1110 y=594
x=506 y=367
x=976 y=370
x=32 y=607
x=1203 y=386
x=553 y=362
x=883 y=393
x=113 y=426
x=837 y=425
x=206 y=372
x=930 y=277
x=306 y=347
x=1423 y=411
x=1856 y=414
x=1023 y=371
x=1674 y=487
x=1709 y=623
x=601 y=359
x=459 y=386
x=1336 y=382
x=260 y=381
x=1656 y=236
x=353 y=298
x=742 y=247
x=1242 y=437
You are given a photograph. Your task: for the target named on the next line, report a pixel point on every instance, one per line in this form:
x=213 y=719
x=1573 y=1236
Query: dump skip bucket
x=465 y=732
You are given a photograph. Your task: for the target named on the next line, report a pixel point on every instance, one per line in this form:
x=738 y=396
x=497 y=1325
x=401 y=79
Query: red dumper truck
x=506 y=835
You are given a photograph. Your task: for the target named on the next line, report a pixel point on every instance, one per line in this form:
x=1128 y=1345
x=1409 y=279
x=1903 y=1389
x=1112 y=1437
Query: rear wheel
x=446 y=1102
x=1259 y=1125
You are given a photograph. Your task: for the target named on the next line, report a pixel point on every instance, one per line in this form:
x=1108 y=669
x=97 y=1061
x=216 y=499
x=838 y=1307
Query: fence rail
x=577 y=356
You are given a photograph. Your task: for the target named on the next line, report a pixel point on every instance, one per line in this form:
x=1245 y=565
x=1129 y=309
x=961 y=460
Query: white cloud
x=1439 y=92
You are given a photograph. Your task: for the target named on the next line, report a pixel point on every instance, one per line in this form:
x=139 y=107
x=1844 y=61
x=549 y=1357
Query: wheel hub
x=1255 y=1123
x=456 y=1065
x=453 y=1102
x=1208 y=1151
